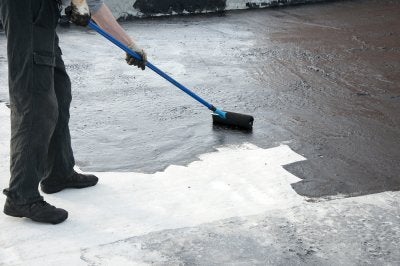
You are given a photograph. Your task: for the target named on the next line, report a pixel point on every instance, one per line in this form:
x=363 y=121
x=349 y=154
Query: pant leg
x=60 y=158
x=30 y=29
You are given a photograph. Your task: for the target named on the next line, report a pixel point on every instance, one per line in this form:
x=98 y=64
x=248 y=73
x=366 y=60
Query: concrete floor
x=322 y=79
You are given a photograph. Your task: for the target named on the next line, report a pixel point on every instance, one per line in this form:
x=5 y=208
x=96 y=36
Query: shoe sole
x=60 y=188
x=56 y=221
x=12 y=214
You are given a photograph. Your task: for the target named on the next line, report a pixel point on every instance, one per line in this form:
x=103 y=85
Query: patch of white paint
x=83 y=9
x=241 y=4
x=235 y=181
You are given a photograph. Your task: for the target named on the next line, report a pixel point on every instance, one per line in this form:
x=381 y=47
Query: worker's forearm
x=105 y=19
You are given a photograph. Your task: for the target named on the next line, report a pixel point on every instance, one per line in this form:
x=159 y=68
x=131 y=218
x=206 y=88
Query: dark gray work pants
x=40 y=97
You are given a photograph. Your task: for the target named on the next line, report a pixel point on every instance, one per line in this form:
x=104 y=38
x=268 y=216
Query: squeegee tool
x=219 y=116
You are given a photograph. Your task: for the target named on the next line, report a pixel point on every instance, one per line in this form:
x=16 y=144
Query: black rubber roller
x=234 y=120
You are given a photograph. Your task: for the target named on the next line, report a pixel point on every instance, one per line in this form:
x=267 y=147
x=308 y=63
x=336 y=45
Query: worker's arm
x=106 y=20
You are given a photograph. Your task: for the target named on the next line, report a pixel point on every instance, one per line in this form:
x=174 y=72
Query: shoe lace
x=76 y=177
x=40 y=204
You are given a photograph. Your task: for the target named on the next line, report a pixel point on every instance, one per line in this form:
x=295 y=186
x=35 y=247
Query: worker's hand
x=78 y=13
x=133 y=61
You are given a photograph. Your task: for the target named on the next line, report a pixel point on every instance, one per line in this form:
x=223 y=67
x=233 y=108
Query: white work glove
x=78 y=12
x=133 y=61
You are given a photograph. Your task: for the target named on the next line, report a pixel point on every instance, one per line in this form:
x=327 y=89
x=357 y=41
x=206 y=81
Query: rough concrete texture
x=323 y=78
x=328 y=233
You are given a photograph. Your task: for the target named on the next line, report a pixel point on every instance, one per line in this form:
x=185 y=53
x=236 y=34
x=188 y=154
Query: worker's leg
x=30 y=29
x=60 y=163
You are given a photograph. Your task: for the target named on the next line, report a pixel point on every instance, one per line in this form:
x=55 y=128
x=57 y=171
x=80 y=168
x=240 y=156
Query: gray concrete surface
x=307 y=235
x=324 y=78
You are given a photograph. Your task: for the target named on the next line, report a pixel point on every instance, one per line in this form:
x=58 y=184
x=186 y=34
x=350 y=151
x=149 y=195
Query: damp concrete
x=323 y=79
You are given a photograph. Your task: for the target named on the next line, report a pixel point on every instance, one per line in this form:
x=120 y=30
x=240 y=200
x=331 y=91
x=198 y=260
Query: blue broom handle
x=156 y=69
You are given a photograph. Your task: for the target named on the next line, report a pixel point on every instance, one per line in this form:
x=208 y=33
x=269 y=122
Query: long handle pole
x=156 y=69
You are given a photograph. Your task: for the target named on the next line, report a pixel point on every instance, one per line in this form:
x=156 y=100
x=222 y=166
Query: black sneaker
x=39 y=211
x=75 y=181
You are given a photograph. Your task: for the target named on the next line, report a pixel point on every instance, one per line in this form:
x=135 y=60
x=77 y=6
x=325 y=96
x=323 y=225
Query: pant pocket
x=44 y=60
x=43 y=72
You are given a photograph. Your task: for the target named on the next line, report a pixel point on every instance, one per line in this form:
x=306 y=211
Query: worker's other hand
x=136 y=62
x=78 y=12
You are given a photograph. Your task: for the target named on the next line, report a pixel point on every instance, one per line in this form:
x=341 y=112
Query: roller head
x=234 y=120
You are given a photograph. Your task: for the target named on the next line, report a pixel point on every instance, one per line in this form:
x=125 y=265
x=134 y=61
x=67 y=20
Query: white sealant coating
x=241 y=4
x=235 y=181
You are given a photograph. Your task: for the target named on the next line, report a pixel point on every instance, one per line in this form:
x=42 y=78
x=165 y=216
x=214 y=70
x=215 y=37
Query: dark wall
x=279 y=3
x=150 y=7
x=153 y=7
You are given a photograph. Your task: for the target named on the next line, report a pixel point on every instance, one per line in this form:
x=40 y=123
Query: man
x=40 y=97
